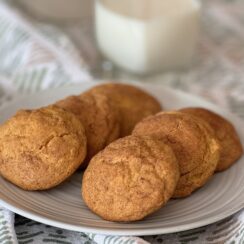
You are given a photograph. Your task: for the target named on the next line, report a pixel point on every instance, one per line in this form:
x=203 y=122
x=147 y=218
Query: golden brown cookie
x=130 y=179
x=230 y=145
x=99 y=117
x=134 y=104
x=41 y=148
x=193 y=142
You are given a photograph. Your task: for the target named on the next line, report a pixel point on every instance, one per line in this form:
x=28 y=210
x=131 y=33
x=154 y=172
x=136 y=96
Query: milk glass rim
x=196 y=3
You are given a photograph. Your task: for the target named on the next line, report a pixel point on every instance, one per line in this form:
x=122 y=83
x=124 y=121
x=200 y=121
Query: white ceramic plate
x=63 y=207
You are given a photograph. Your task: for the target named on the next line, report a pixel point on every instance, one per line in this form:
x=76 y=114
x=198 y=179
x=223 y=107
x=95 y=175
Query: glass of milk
x=147 y=36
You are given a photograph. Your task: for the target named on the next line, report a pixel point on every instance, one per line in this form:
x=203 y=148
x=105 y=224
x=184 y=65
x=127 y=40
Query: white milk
x=145 y=36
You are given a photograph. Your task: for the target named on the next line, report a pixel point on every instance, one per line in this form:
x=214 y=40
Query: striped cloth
x=34 y=57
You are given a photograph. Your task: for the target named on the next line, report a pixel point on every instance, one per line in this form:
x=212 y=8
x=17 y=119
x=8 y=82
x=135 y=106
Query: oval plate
x=63 y=207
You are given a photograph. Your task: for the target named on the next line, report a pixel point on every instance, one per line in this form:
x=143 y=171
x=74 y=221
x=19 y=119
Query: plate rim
x=105 y=230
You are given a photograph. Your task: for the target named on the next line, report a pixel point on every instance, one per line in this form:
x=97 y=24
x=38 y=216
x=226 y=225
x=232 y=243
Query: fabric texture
x=36 y=56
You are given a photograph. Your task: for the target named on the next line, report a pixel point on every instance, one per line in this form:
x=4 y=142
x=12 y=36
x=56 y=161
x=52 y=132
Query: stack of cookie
x=41 y=148
x=169 y=155
x=136 y=156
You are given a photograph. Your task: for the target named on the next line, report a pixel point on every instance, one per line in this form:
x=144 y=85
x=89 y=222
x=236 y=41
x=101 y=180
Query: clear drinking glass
x=147 y=36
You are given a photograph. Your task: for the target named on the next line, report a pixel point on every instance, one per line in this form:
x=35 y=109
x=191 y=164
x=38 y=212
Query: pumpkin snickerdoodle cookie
x=130 y=179
x=41 y=148
x=133 y=103
x=99 y=117
x=230 y=145
x=193 y=142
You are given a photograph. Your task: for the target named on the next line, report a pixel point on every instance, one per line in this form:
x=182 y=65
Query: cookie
x=99 y=117
x=193 y=142
x=41 y=148
x=130 y=179
x=230 y=145
x=134 y=104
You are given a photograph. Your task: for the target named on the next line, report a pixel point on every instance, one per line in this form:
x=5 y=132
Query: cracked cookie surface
x=41 y=148
x=133 y=103
x=99 y=117
x=230 y=145
x=193 y=142
x=130 y=179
